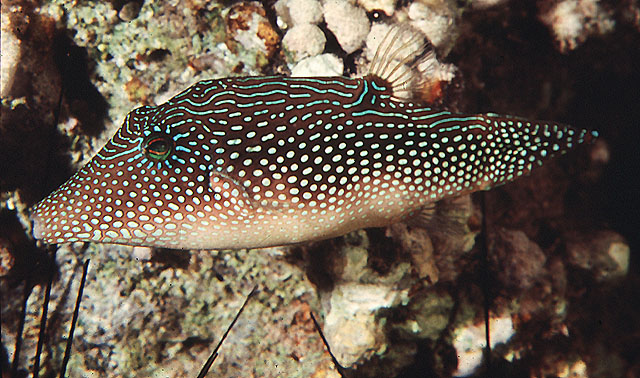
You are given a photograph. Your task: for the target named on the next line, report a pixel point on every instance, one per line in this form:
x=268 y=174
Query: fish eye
x=158 y=147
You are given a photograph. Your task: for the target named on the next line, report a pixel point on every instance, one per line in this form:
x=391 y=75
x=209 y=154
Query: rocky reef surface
x=551 y=258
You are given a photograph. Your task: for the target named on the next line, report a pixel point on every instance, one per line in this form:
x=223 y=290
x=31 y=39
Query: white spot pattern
x=261 y=161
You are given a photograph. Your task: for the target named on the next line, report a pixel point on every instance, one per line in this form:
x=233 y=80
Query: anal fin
x=446 y=216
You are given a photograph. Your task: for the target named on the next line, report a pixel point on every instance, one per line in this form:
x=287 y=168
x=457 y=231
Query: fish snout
x=38 y=224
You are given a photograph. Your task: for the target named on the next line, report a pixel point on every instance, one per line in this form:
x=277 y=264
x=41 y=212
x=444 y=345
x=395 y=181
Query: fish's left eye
x=158 y=147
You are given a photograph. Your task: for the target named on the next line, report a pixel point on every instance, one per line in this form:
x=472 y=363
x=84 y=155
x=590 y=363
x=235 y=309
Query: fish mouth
x=42 y=226
x=38 y=227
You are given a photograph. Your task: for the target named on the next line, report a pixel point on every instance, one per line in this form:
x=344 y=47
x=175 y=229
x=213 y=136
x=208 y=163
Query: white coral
x=296 y=12
x=572 y=21
x=351 y=326
x=304 y=40
x=437 y=23
x=469 y=341
x=319 y=65
x=347 y=22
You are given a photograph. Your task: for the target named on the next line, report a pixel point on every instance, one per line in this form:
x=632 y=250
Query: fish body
x=264 y=161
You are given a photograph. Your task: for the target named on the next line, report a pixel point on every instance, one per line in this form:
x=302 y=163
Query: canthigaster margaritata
x=264 y=161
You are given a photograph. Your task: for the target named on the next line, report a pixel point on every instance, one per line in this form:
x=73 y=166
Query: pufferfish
x=250 y=162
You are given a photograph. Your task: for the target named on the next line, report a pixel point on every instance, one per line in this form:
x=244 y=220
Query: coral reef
x=559 y=284
x=347 y=22
x=304 y=40
x=319 y=65
x=573 y=21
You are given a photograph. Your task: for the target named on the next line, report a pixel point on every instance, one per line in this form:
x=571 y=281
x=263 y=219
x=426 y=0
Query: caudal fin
x=516 y=145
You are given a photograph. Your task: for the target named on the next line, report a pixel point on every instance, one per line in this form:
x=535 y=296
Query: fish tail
x=518 y=145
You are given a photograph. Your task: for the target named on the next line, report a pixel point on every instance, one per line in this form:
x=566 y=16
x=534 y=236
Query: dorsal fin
x=403 y=59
